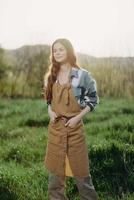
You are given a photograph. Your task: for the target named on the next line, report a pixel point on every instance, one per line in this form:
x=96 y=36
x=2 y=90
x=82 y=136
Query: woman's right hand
x=52 y=114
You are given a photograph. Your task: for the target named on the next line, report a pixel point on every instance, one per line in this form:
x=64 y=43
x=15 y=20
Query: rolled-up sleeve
x=91 y=97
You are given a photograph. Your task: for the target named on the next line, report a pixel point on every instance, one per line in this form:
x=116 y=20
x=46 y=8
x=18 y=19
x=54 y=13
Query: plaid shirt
x=84 y=88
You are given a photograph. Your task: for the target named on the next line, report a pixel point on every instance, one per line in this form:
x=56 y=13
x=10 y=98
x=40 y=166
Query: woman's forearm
x=84 y=112
x=49 y=108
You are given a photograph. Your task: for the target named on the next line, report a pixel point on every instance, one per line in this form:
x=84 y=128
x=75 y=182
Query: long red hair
x=51 y=75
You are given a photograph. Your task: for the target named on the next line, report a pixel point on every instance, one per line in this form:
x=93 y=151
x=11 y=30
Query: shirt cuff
x=91 y=106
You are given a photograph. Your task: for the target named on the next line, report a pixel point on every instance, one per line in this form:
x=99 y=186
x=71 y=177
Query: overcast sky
x=96 y=27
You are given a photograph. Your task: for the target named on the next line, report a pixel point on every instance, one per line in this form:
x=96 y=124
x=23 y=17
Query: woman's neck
x=65 y=67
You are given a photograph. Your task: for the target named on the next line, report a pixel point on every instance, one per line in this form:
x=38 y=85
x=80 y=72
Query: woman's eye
x=54 y=51
x=61 y=49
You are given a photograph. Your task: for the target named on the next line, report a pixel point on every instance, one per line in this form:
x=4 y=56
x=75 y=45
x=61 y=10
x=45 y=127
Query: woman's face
x=59 y=52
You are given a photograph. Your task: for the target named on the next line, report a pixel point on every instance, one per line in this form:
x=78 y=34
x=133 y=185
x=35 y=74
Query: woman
x=70 y=92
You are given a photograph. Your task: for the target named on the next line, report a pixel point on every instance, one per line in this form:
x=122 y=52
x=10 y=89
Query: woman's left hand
x=73 y=121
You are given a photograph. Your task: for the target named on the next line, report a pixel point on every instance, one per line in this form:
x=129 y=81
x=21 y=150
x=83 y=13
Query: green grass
x=109 y=132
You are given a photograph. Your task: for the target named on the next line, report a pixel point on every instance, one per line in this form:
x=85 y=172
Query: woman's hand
x=52 y=114
x=73 y=121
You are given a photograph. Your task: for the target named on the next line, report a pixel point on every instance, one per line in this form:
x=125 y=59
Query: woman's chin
x=60 y=61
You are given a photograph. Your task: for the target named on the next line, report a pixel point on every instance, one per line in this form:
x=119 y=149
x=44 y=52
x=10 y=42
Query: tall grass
x=114 y=80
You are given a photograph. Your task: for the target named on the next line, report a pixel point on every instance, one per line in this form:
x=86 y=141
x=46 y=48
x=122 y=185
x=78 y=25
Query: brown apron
x=66 y=152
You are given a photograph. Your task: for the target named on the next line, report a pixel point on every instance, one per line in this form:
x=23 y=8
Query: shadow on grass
x=5 y=194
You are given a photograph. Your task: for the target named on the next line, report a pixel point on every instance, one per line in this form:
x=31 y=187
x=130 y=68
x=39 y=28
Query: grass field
x=23 y=138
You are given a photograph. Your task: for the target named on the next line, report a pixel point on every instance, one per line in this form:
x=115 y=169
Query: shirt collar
x=74 y=72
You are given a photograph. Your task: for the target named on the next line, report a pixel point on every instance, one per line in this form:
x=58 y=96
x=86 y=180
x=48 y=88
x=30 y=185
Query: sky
x=99 y=28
